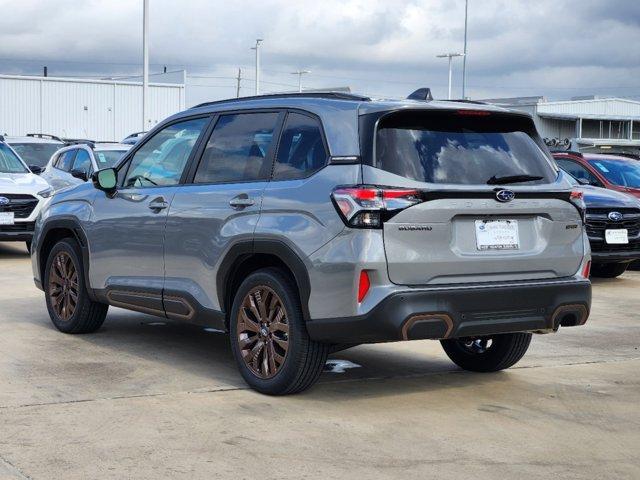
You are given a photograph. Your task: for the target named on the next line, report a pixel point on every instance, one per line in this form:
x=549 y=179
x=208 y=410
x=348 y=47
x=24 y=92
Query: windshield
x=36 y=153
x=458 y=148
x=108 y=158
x=619 y=172
x=9 y=161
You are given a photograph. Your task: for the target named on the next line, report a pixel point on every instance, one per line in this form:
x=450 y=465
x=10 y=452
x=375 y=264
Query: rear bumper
x=452 y=312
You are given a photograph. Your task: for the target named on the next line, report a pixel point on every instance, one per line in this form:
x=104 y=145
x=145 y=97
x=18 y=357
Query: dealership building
x=106 y=110
x=586 y=124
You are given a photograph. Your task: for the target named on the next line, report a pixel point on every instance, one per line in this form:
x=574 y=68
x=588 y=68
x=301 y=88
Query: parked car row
x=34 y=167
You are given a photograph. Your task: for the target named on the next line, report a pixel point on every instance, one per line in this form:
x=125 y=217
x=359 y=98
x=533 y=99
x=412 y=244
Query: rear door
x=493 y=207
x=219 y=206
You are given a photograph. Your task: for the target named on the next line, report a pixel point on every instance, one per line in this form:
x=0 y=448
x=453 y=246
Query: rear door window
x=461 y=148
x=238 y=149
x=301 y=151
x=82 y=161
x=65 y=160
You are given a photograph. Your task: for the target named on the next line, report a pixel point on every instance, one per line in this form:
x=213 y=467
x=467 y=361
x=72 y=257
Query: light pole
x=450 y=56
x=464 y=60
x=257 y=49
x=145 y=63
x=300 y=73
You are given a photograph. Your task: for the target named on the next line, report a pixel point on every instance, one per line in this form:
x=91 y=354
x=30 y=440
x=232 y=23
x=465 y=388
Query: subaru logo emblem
x=505 y=196
x=615 y=216
x=4 y=201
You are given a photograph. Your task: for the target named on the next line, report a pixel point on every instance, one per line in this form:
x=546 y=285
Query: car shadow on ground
x=13 y=250
x=206 y=357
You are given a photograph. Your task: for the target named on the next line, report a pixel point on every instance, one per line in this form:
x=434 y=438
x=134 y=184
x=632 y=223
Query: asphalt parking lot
x=147 y=398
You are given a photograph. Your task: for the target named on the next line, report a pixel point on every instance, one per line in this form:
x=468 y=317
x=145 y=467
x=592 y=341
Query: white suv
x=74 y=164
x=22 y=196
x=35 y=149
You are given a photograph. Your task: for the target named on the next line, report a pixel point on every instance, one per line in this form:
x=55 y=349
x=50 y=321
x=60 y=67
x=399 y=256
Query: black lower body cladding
x=463 y=311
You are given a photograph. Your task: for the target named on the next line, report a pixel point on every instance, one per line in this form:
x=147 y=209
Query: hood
x=596 y=197
x=28 y=183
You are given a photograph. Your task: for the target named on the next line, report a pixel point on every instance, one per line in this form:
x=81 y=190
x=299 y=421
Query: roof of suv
x=338 y=111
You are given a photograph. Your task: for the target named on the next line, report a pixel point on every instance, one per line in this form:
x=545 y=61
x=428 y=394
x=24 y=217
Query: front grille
x=21 y=227
x=20 y=205
x=597 y=221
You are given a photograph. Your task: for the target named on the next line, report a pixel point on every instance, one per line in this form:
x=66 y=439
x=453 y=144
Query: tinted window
x=36 y=153
x=578 y=171
x=82 y=161
x=301 y=151
x=460 y=148
x=108 y=158
x=625 y=173
x=9 y=162
x=161 y=160
x=65 y=160
x=238 y=148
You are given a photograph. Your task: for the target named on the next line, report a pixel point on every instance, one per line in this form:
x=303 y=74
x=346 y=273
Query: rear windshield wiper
x=512 y=179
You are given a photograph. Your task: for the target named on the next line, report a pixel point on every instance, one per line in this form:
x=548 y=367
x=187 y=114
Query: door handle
x=158 y=204
x=241 y=201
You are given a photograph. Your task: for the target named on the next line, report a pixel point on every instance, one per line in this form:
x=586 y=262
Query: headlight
x=46 y=193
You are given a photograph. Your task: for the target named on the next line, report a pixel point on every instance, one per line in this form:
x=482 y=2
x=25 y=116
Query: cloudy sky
x=384 y=48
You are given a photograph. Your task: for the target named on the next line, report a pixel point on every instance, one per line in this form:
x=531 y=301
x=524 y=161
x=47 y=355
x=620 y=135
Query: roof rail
x=44 y=135
x=80 y=141
x=327 y=95
x=568 y=152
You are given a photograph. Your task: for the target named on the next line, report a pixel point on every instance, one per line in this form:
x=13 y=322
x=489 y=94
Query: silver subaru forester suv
x=308 y=223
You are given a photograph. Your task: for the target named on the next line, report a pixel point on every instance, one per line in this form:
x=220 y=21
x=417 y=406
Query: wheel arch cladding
x=246 y=257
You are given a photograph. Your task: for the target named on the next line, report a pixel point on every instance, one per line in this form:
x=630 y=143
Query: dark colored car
x=613 y=226
x=614 y=172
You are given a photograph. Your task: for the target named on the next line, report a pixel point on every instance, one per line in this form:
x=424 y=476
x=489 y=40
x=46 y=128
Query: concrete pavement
x=149 y=398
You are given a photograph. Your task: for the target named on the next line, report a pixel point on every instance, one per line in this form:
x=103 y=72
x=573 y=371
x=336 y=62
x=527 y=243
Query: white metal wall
x=609 y=107
x=96 y=109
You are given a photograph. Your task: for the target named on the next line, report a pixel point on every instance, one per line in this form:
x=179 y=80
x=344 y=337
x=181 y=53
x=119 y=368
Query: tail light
x=370 y=206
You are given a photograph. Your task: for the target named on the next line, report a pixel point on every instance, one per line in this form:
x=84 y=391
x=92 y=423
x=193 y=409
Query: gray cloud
x=555 y=48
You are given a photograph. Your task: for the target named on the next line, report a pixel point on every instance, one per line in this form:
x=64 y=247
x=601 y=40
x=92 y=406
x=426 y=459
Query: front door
x=126 y=238
x=218 y=207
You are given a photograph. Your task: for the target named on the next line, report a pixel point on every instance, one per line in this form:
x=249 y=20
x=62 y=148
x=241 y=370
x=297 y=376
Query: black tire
x=304 y=358
x=87 y=316
x=502 y=352
x=608 y=270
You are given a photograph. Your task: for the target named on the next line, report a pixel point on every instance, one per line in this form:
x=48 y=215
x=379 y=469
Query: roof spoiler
x=423 y=94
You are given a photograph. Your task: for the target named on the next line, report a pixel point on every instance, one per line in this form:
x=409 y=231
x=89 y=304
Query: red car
x=608 y=171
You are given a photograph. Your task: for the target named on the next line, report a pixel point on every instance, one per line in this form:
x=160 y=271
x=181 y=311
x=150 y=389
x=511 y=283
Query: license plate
x=6 y=218
x=617 y=237
x=497 y=235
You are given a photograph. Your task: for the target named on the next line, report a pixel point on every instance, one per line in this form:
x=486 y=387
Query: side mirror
x=36 y=169
x=106 y=180
x=81 y=174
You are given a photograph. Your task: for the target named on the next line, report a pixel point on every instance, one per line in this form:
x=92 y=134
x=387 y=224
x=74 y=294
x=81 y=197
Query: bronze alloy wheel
x=263 y=331
x=63 y=286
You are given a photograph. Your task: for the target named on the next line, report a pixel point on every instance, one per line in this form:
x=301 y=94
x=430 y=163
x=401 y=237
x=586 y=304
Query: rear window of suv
x=461 y=147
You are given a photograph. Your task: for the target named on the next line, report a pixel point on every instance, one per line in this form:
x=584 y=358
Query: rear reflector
x=363 y=285
x=586 y=271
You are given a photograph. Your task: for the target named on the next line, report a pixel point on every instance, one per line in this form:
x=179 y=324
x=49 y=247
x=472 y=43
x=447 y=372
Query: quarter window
x=162 y=159
x=301 y=151
x=238 y=149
